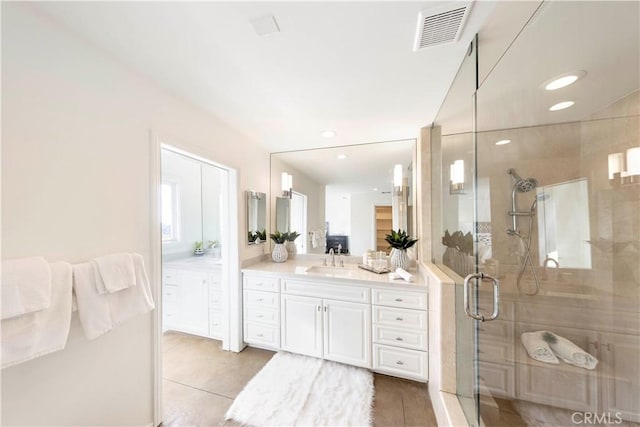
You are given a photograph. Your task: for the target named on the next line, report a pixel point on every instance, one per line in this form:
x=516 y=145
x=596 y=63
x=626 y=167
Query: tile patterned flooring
x=201 y=380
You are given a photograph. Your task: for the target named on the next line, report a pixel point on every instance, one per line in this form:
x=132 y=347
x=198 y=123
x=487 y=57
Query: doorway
x=384 y=218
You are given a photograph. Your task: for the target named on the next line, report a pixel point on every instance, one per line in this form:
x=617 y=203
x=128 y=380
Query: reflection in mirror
x=256 y=217
x=563 y=224
x=346 y=195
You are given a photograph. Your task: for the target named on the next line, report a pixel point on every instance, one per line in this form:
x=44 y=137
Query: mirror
x=256 y=217
x=343 y=197
x=563 y=224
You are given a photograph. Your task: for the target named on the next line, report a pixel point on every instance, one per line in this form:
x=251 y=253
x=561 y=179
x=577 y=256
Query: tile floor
x=201 y=381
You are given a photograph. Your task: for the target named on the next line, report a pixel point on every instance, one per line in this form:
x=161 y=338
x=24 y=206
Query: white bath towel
x=114 y=272
x=99 y=313
x=537 y=347
x=570 y=353
x=41 y=332
x=26 y=286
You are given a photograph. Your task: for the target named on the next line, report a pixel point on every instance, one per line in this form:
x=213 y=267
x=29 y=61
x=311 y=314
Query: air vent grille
x=440 y=25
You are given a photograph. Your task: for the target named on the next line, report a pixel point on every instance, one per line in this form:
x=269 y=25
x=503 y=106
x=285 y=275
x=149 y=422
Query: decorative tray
x=381 y=270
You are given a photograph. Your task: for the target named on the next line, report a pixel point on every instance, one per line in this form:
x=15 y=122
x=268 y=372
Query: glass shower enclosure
x=537 y=205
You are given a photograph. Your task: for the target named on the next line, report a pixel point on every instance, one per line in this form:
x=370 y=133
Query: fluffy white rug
x=295 y=390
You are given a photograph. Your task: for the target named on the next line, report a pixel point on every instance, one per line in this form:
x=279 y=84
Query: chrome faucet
x=333 y=257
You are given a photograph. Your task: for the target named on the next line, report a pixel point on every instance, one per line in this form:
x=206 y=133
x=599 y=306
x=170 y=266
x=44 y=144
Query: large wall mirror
x=344 y=198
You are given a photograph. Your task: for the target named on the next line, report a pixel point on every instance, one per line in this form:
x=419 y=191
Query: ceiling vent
x=441 y=25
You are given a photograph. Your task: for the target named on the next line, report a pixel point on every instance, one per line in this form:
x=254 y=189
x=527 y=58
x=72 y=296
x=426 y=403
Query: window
x=169 y=212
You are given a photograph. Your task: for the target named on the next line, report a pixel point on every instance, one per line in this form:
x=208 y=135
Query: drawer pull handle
x=260 y=335
x=399 y=362
x=398 y=339
x=258 y=284
x=260 y=299
x=259 y=316
x=399 y=299
x=399 y=318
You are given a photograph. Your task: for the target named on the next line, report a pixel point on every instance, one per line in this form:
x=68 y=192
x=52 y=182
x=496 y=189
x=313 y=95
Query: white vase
x=279 y=253
x=399 y=259
x=291 y=249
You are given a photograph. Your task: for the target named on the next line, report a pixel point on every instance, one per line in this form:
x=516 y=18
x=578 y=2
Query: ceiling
x=344 y=66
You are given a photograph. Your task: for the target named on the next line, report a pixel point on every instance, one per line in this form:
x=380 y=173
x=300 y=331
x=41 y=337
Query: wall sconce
x=624 y=169
x=287 y=185
x=397 y=180
x=456 y=176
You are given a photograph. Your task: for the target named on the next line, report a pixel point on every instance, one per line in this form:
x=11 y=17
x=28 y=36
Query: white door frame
x=232 y=332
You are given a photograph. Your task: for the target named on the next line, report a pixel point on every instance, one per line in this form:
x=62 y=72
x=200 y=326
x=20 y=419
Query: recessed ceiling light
x=561 y=105
x=563 y=80
x=265 y=25
x=342 y=156
x=375 y=189
x=503 y=142
x=328 y=133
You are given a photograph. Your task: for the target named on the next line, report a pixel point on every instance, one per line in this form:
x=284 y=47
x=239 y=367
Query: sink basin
x=330 y=271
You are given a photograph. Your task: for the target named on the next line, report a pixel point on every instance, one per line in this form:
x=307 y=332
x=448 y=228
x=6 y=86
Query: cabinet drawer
x=335 y=292
x=262 y=315
x=400 y=317
x=407 y=338
x=262 y=283
x=215 y=300
x=400 y=362
x=255 y=333
x=398 y=298
x=169 y=276
x=169 y=293
x=262 y=299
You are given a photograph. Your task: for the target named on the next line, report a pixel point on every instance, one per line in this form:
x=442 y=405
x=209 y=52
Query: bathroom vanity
x=347 y=315
x=192 y=296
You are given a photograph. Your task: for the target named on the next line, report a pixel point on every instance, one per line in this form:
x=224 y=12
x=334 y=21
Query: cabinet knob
x=399 y=299
x=398 y=339
x=260 y=335
x=399 y=318
x=259 y=316
x=259 y=299
x=318 y=307
x=325 y=308
x=399 y=362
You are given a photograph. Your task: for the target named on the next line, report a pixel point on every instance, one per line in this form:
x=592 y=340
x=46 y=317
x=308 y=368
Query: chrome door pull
x=496 y=297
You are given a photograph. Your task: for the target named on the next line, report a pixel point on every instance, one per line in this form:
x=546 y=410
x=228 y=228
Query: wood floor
x=200 y=381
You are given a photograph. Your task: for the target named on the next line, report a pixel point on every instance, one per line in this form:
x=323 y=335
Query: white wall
x=338 y=211
x=363 y=222
x=76 y=184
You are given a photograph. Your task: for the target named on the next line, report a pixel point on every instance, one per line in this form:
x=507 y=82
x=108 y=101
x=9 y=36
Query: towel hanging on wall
x=26 y=286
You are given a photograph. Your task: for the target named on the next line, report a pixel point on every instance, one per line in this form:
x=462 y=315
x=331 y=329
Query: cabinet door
x=620 y=375
x=301 y=325
x=194 y=303
x=347 y=332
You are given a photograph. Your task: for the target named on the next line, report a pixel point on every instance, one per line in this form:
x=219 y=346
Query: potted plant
x=261 y=235
x=399 y=241
x=459 y=253
x=198 y=248
x=251 y=237
x=290 y=244
x=279 y=253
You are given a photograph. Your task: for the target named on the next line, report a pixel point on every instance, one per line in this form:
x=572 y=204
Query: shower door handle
x=496 y=297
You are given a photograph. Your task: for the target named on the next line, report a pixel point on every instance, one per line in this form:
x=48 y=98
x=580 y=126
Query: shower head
x=522 y=185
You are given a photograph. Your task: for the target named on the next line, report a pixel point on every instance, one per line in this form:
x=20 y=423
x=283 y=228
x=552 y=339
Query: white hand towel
x=537 y=347
x=99 y=313
x=114 y=272
x=572 y=354
x=26 y=286
x=45 y=331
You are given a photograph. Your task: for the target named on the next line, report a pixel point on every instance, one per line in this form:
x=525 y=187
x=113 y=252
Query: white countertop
x=350 y=273
x=195 y=263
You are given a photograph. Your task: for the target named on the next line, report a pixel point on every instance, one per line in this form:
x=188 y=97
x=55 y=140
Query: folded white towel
x=114 y=272
x=99 y=313
x=572 y=354
x=41 y=332
x=26 y=286
x=408 y=277
x=537 y=347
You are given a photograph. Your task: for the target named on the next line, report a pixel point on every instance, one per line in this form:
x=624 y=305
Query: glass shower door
x=557 y=221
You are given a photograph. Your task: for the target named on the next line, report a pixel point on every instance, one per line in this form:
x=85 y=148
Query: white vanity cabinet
x=192 y=301
x=261 y=311
x=316 y=325
x=400 y=337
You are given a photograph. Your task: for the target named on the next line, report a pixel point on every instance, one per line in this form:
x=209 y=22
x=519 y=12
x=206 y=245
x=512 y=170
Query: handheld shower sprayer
x=523 y=185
